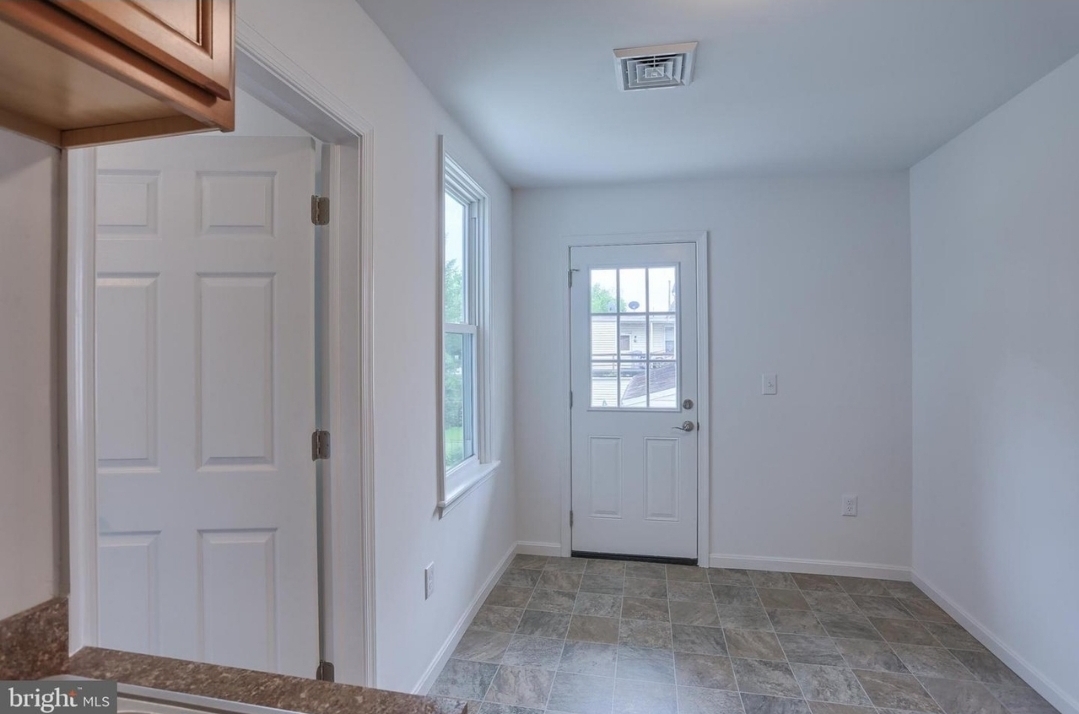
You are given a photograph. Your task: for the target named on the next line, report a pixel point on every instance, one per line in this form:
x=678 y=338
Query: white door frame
x=268 y=74
x=704 y=412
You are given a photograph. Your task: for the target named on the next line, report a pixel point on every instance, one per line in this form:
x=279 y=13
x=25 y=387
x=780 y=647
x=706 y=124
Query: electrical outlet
x=429 y=581
x=769 y=384
x=850 y=505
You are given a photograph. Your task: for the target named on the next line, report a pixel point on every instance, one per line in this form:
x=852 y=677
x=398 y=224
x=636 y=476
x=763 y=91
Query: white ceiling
x=781 y=86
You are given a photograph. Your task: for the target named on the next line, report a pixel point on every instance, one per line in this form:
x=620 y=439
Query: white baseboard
x=814 y=567
x=551 y=550
x=755 y=562
x=443 y=656
x=1055 y=696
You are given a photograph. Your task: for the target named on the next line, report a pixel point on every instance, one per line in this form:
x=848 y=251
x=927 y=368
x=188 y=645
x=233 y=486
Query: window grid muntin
x=649 y=359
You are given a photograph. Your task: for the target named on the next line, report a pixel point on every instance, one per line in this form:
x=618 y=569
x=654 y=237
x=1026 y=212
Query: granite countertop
x=33 y=645
x=307 y=696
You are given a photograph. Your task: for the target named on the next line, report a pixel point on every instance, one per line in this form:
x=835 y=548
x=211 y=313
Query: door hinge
x=571 y=519
x=571 y=272
x=571 y=400
x=324 y=672
x=320 y=445
x=320 y=210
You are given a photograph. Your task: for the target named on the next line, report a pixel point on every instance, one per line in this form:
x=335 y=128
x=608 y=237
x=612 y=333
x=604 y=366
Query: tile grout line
x=674 y=659
x=891 y=648
x=523 y=611
x=555 y=674
x=850 y=669
x=565 y=640
x=785 y=657
x=614 y=684
x=730 y=658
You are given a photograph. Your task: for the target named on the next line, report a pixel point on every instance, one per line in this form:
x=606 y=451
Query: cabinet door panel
x=192 y=38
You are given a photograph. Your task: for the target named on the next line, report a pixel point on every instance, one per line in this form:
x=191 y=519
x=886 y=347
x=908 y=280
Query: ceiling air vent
x=655 y=67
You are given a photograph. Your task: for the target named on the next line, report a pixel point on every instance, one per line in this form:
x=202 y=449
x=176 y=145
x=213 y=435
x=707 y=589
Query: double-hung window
x=463 y=419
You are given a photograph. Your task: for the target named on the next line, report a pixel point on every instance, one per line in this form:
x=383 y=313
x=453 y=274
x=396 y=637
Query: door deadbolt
x=687 y=403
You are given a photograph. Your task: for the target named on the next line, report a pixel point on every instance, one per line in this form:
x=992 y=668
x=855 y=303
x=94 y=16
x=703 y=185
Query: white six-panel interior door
x=633 y=371
x=205 y=369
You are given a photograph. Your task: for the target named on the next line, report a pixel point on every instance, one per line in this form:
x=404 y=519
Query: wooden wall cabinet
x=83 y=72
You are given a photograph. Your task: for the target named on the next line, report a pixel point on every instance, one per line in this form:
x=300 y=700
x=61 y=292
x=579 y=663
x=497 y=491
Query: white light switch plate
x=769 y=384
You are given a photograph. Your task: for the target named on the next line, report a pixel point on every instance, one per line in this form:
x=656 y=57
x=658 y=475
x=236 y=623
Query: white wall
x=30 y=347
x=810 y=278
x=336 y=42
x=994 y=220
x=253 y=118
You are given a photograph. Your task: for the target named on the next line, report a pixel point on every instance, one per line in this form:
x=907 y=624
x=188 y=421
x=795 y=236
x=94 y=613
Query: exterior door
x=205 y=367
x=633 y=365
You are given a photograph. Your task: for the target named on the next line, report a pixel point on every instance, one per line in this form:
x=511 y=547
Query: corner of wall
x=1032 y=675
x=429 y=676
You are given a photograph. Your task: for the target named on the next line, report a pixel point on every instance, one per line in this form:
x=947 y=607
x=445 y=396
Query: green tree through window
x=453 y=365
x=453 y=292
x=603 y=300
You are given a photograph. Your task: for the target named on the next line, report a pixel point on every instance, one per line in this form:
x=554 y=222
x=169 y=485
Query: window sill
x=463 y=482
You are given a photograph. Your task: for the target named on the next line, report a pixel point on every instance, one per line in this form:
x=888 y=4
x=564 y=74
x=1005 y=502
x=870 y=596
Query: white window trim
x=463 y=479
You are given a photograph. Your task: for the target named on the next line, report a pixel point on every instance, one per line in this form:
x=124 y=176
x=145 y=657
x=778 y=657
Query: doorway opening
x=241 y=294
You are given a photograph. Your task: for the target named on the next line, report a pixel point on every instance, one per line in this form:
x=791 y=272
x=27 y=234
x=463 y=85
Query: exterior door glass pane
x=604 y=291
x=661 y=289
x=605 y=341
x=663 y=385
x=661 y=337
x=605 y=385
x=631 y=290
x=632 y=385
x=634 y=335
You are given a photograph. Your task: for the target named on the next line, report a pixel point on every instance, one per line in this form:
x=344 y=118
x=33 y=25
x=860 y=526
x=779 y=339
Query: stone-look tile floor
x=578 y=636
